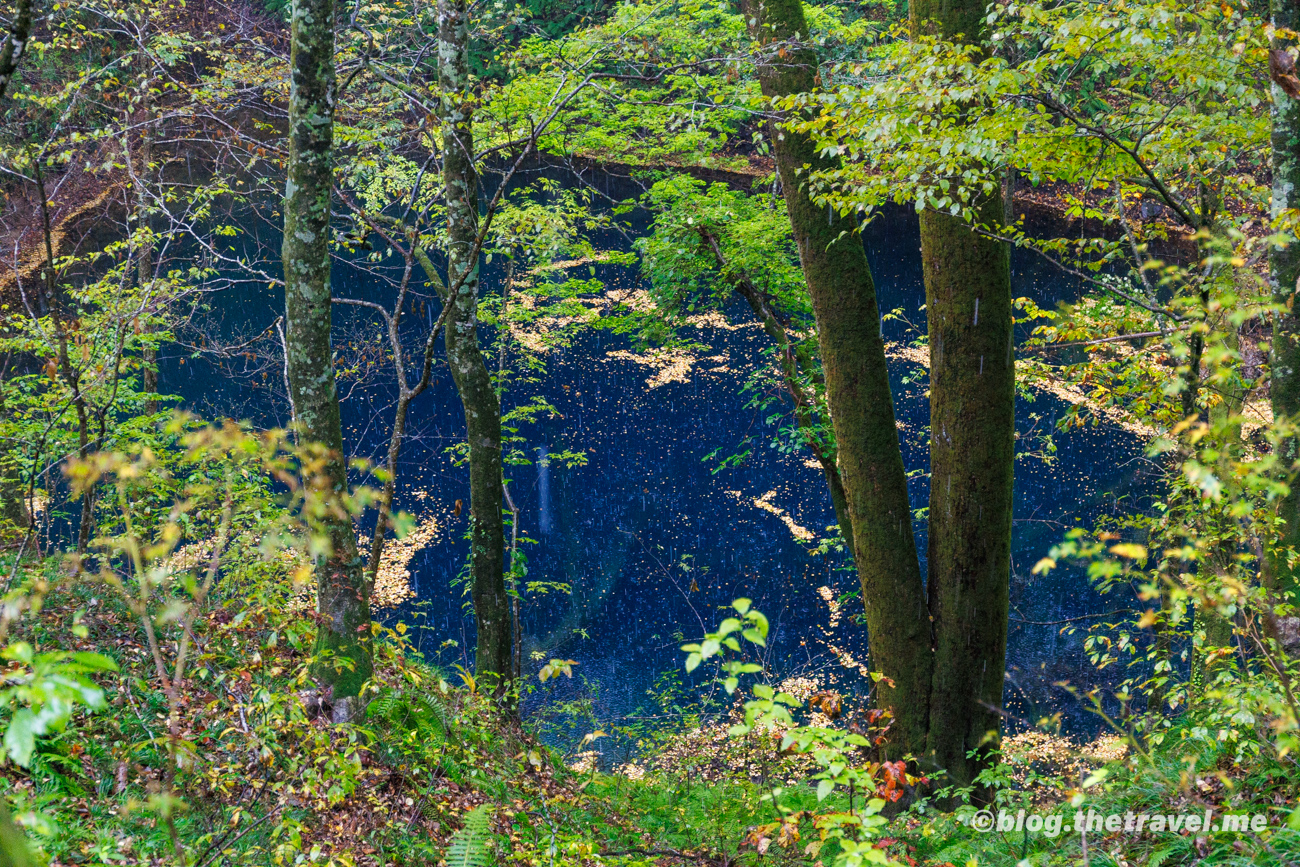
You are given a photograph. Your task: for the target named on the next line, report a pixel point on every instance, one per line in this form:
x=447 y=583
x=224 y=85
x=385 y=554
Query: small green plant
x=47 y=688
x=471 y=846
x=420 y=714
x=841 y=757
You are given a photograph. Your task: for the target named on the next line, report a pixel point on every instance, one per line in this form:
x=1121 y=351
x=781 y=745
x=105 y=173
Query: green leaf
x=824 y=788
x=96 y=661
x=20 y=737
x=471 y=846
x=19 y=650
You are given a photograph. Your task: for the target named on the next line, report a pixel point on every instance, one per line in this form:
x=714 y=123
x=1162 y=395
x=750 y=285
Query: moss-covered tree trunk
x=857 y=385
x=1284 y=272
x=972 y=451
x=343 y=640
x=972 y=454
x=494 y=655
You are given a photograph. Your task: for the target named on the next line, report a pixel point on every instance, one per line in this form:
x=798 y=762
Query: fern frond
x=411 y=711
x=471 y=846
x=385 y=705
x=432 y=715
x=1160 y=856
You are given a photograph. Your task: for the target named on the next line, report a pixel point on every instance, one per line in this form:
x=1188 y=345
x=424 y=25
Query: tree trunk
x=972 y=452
x=13 y=504
x=482 y=409
x=53 y=305
x=1211 y=631
x=1163 y=653
x=19 y=31
x=144 y=261
x=972 y=456
x=343 y=638
x=857 y=385
x=1284 y=271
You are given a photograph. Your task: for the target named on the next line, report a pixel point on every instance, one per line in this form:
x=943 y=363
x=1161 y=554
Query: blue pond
x=652 y=541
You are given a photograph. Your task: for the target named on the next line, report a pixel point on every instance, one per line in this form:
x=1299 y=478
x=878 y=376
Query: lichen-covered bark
x=19 y=32
x=972 y=456
x=1284 y=271
x=343 y=638
x=972 y=451
x=468 y=368
x=857 y=385
x=13 y=505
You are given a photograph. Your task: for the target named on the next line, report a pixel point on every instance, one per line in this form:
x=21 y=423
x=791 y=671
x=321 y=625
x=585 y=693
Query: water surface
x=652 y=542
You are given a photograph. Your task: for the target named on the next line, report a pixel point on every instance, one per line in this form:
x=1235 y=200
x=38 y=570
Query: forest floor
x=254 y=773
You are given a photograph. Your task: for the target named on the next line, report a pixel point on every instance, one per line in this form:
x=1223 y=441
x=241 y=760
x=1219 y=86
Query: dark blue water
x=653 y=544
